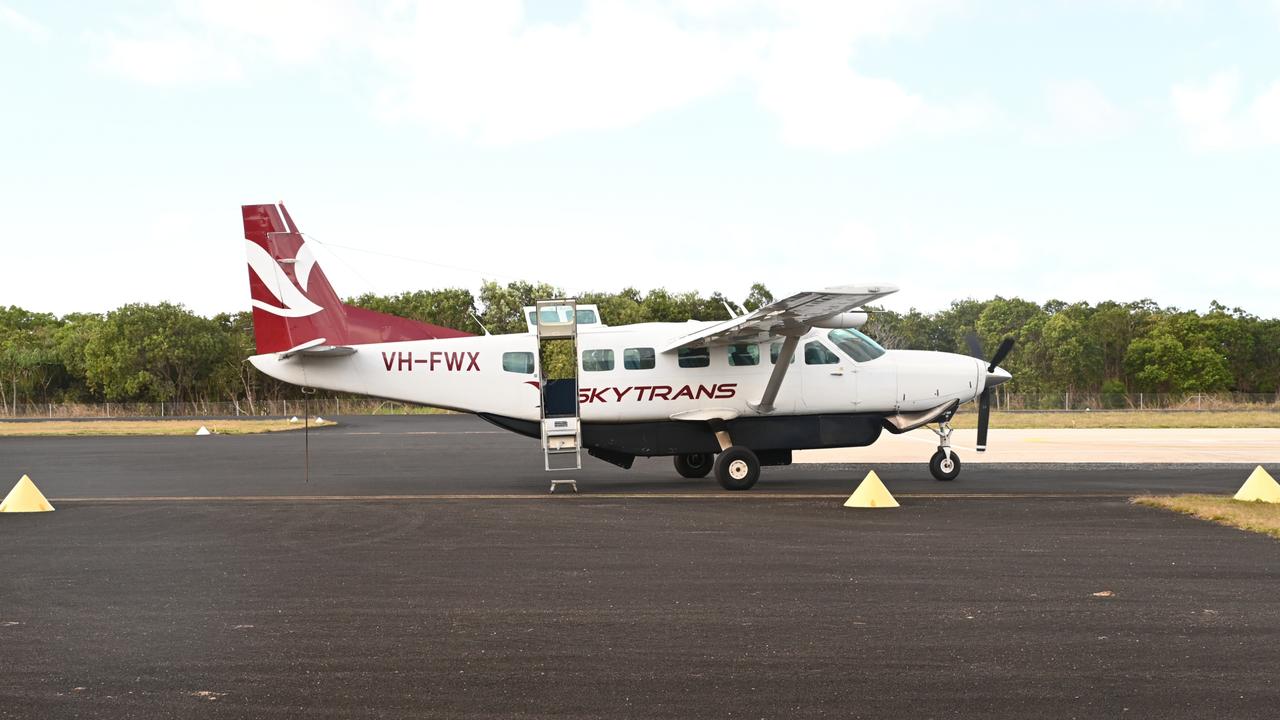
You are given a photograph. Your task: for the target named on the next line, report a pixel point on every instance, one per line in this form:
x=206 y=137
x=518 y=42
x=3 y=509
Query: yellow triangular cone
x=25 y=497
x=871 y=493
x=1260 y=486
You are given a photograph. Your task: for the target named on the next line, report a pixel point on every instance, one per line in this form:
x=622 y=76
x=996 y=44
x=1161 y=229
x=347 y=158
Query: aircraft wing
x=789 y=316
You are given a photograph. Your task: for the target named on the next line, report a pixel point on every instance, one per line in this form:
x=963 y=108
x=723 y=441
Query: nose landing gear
x=945 y=464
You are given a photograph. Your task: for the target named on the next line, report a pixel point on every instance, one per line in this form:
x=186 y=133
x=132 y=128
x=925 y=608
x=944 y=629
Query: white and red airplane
x=721 y=396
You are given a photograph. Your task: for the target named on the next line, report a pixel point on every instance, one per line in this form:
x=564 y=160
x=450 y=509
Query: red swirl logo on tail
x=292 y=299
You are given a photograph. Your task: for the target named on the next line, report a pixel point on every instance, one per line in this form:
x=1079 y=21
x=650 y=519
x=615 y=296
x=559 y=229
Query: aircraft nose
x=997 y=376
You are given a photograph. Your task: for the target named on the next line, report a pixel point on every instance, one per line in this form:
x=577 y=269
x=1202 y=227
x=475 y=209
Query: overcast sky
x=1076 y=150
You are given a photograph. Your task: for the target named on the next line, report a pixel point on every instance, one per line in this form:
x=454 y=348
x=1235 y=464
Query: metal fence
x=316 y=406
x=1085 y=401
x=330 y=406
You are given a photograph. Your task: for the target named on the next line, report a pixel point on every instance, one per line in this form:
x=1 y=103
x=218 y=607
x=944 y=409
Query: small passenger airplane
x=720 y=396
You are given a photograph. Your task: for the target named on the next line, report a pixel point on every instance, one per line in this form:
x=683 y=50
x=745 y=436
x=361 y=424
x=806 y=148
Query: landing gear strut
x=945 y=464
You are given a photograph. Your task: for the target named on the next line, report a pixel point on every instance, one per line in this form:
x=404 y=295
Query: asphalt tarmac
x=424 y=571
x=460 y=454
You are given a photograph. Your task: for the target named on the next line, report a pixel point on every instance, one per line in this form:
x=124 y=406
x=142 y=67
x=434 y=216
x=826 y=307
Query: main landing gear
x=945 y=464
x=737 y=468
x=694 y=465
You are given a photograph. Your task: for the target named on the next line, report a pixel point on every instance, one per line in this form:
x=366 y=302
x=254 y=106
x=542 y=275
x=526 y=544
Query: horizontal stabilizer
x=317 y=348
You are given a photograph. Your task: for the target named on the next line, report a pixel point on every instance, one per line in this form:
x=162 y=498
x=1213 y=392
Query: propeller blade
x=984 y=418
x=975 y=345
x=1001 y=352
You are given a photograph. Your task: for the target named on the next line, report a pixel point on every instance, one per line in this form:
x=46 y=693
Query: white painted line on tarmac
x=572 y=496
x=434 y=432
x=458 y=432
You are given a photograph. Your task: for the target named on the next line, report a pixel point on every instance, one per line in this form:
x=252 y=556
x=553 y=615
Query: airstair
x=557 y=332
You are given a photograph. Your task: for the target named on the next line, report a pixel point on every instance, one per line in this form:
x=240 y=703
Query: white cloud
x=170 y=58
x=293 y=31
x=1079 y=108
x=21 y=23
x=808 y=79
x=488 y=73
x=1214 y=116
x=492 y=76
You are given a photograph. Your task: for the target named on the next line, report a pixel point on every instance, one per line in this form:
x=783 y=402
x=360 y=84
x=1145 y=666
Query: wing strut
x=779 y=372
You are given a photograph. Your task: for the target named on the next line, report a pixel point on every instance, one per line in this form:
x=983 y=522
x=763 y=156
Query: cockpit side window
x=857 y=346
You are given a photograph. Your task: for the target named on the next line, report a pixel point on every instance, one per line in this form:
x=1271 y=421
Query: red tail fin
x=294 y=303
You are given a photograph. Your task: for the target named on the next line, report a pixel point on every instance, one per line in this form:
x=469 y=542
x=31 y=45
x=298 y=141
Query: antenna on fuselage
x=482 y=327
x=732 y=313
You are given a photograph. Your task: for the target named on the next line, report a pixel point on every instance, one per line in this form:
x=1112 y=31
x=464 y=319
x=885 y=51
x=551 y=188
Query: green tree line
x=164 y=352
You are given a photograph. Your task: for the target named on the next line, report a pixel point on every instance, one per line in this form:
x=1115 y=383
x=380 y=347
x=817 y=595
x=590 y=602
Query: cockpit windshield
x=856 y=345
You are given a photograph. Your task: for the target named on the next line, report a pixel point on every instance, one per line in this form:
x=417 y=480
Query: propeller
x=984 y=399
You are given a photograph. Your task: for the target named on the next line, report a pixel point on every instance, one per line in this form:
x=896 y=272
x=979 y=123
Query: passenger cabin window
x=856 y=345
x=597 y=360
x=775 y=349
x=693 y=357
x=638 y=358
x=586 y=317
x=744 y=355
x=815 y=353
x=518 y=362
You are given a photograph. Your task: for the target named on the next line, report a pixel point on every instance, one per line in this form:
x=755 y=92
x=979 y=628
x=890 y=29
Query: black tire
x=694 y=465
x=737 y=468
x=944 y=469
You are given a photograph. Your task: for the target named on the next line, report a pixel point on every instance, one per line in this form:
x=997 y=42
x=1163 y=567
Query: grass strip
x=1256 y=517
x=67 y=428
x=1102 y=419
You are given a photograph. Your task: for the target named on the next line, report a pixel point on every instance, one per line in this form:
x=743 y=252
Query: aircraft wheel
x=943 y=467
x=694 y=465
x=737 y=468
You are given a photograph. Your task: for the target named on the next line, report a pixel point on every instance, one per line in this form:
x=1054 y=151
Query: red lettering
x=404 y=360
x=621 y=393
x=388 y=359
x=584 y=396
x=597 y=394
x=685 y=391
x=452 y=361
x=474 y=359
x=435 y=354
x=707 y=392
x=640 y=391
x=666 y=392
x=726 y=391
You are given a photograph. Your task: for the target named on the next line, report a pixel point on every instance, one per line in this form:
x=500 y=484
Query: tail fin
x=293 y=302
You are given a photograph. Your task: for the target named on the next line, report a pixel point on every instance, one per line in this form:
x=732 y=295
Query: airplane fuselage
x=498 y=375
